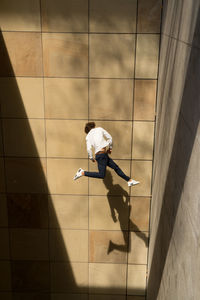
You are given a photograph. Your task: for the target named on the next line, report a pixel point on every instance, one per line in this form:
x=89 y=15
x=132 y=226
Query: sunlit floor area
x=132 y=67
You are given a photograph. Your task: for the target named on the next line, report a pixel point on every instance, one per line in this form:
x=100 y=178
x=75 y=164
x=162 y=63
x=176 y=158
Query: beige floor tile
x=66 y=98
x=4 y=249
x=61 y=173
x=139 y=216
x=65 y=16
x=24 y=137
x=136 y=279
x=65 y=54
x=23 y=15
x=106 y=297
x=143 y=137
x=5 y=276
x=24 y=97
x=147 y=56
x=136 y=298
x=145 y=100
x=69 y=212
x=66 y=138
x=29 y=244
x=109 y=212
x=26 y=175
x=112 y=184
x=30 y=276
x=121 y=134
x=141 y=171
x=69 y=277
x=149 y=16
x=116 y=60
x=138 y=248
x=6 y=296
x=107 y=278
x=26 y=58
x=69 y=245
x=111 y=99
x=3 y=211
x=27 y=210
x=63 y=296
x=108 y=246
x=113 y=16
x=2 y=176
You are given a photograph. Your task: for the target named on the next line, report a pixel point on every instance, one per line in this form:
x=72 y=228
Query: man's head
x=89 y=126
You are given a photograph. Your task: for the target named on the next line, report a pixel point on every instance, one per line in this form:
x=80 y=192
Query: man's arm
x=108 y=137
x=89 y=150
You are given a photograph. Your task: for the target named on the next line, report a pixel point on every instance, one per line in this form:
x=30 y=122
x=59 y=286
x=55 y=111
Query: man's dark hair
x=89 y=126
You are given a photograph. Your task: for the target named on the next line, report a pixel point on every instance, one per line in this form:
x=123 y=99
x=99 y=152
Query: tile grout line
x=77 y=77
x=132 y=122
x=88 y=196
x=45 y=137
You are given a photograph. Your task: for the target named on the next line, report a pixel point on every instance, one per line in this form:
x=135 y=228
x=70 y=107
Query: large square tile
x=145 y=100
x=108 y=246
x=66 y=98
x=5 y=276
x=4 y=249
x=121 y=135
x=113 y=16
x=26 y=175
x=141 y=171
x=143 y=138
x=149 y=16
x=61 y=173
x=22 y=97
x=24 y=137
x=66 y=138
x=107 y=278
x=65 y=16
x=136 y=298
x=139 y=216
x=68 y=212
x=69 y=245
x=30 y=276
x=22 y=15
x=69 y=277
x=65 y=54
x=111 y=99
x=147 y=56
x=27 y=210
x=31 y=296
x=116 y=60
x=3 y=211
x=112 y=183
x=136 y=279
x=29 y=244
x=106 y=297
x=64 y=296
x=138 y=247
x=2 y=176
x=109 y=212
x=24 y=54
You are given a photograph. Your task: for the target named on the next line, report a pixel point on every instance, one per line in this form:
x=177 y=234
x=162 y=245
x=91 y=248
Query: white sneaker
x=78 y=174
x=132 y=182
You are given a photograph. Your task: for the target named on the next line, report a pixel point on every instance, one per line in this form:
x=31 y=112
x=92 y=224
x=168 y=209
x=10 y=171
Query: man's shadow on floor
x=120 y=208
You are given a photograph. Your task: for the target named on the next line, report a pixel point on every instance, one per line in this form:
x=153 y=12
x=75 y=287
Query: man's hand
x=109 y=151
x=93 y=160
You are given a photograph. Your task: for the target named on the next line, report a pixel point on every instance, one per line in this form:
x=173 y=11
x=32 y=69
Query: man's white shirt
x=97 y=138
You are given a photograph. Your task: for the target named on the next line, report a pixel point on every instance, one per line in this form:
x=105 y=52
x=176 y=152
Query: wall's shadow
x=186 y=132
x=120 y=209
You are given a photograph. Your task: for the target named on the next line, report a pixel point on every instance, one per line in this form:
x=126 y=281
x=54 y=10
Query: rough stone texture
x=174 y=245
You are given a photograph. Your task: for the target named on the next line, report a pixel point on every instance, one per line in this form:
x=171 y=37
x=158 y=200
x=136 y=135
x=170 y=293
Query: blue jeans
x=104 y=160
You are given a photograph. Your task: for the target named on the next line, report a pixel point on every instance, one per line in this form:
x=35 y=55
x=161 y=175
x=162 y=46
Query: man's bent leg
x=117 y=169
x=102 y=162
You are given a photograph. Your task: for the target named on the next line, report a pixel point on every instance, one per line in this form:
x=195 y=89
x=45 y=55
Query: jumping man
x=101 y=141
